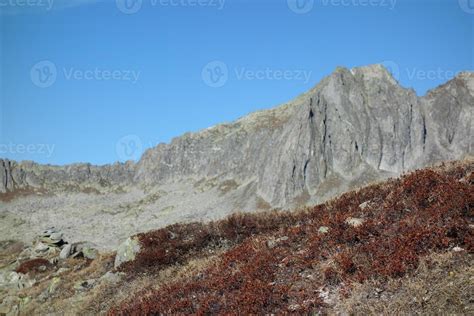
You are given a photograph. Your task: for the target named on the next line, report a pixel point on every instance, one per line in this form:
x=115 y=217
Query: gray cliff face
x=6 y=180
x=27 y=174
x=356 y=126
x=450 y=112
x=355 y=122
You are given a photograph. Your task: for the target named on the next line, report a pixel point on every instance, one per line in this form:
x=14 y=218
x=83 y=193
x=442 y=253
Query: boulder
x=65 y=252
x=13 y=280
x=56 y=236
x=127 y=251
x=41 y=247
x=354 y=222
x=323 y=230
x=86 y=249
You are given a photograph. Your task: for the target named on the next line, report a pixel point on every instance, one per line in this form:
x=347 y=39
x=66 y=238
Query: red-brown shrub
x=406 y=219
x=33 y=265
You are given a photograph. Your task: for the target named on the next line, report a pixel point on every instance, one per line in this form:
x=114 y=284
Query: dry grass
x=19 y=193
x=406 y=220
x=105 y=296
x=9 y=252
x=34 y=265
x=442 y=284
x=63 y=299
x=242 y=265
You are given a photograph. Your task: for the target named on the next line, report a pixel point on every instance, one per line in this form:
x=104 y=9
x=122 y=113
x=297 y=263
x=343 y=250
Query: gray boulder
x=65 y=252
x=127 y=251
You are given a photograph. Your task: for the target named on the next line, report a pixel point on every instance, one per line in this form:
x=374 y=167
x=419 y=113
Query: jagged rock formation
x=28 y=174
x=355 y=126
x=353 y=122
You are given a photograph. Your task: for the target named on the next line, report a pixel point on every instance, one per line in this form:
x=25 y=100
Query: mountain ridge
x=245 y=117
x=356 y=126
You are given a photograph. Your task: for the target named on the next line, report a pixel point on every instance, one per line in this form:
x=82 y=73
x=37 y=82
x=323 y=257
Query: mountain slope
x=376 y=250
x=282 y=263
x=354 y=127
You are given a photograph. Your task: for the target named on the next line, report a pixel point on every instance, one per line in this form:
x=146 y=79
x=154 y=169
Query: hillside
x=356 y=126
x=378 y=249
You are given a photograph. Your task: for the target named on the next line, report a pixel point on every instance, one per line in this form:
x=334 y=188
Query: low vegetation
x=34 y=265
x=317 y=259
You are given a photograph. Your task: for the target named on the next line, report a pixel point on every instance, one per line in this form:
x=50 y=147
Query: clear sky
x=100 y=81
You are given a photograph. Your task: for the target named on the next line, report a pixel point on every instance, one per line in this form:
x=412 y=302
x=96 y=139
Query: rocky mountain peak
x=356 y=126
x=374 y=72
x=468 y=78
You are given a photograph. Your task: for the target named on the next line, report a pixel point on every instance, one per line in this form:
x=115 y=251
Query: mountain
x=356 y=126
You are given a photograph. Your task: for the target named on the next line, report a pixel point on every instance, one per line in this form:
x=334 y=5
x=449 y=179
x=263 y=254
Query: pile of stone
x=52 y=250
x=52 y=237
x=51 y=242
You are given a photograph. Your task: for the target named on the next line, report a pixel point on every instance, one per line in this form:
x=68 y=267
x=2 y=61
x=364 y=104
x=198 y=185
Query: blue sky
x=100 y=81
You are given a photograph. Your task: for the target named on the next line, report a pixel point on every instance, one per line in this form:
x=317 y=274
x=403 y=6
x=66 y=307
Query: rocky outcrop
x=6 y=179
x=450 y=112
x=127 y=251
x=27 y=174
x=356 y=123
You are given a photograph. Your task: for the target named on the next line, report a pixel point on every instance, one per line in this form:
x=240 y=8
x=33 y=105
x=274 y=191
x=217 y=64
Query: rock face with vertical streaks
x=355 y=123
